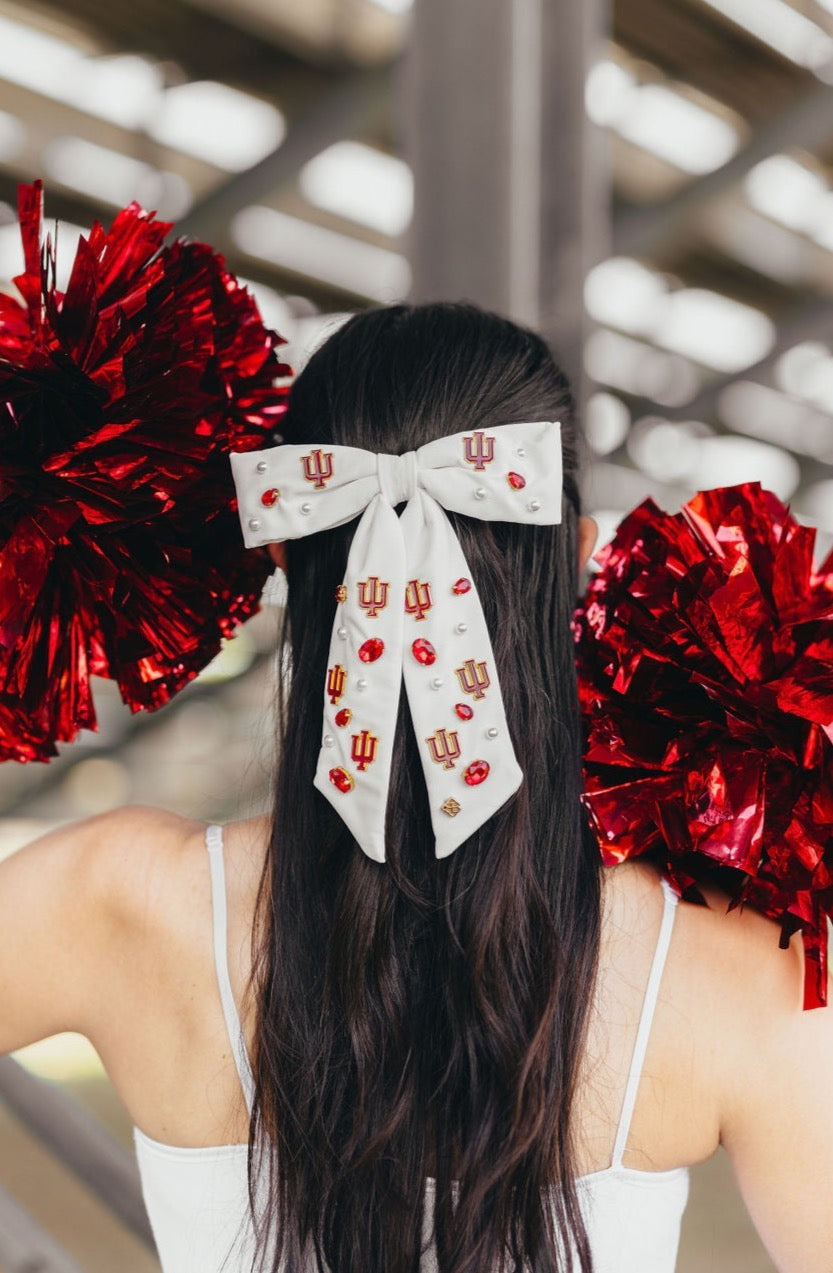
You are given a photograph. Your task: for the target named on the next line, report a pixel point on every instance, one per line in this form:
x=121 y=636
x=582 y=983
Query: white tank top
x=197 y=1199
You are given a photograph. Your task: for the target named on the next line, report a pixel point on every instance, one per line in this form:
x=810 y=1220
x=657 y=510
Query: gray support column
x=27 y=1248
x=80 y=1143
x=511 y=199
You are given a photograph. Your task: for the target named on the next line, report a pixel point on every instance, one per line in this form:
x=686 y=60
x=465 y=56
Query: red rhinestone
x=461 y=586
x=464 y=711
x=423 y=651
x=477 y=772
x=344 y=717
x=516 y=481
x=269 y=498
x=371 y=650
x=343 y=780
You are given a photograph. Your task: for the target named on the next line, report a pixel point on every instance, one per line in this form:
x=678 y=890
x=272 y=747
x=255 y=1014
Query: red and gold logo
x=364 y=748
x=473 y=678
x=336 y=676
x=444 y=746
x=341 y=593
x=318 y=467
x=373 y=595
x=418 y=598
x=479 y=449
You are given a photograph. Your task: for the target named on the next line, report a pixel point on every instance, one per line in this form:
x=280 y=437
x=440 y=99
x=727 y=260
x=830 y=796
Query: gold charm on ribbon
x=373 y=595
x=479 y=449
x=336 y=676
x=418 y=598
x=473 y=678
x=444 y=747
x=318 y=467
x=363 y=752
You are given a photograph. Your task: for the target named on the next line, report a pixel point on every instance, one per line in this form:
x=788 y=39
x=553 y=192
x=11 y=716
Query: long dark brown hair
x=421 y=1018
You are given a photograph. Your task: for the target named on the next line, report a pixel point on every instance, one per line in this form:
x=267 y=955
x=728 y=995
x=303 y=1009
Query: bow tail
x=453 y=692
x=364 y=676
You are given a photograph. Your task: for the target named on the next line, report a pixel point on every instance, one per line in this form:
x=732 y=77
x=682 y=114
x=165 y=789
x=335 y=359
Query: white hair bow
x=408 y=609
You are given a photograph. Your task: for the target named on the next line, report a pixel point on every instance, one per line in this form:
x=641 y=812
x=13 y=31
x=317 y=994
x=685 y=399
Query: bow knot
x=407 y=611
x=397 y=477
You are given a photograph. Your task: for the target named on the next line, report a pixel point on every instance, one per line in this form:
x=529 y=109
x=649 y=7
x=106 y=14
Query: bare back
x=172 y=1012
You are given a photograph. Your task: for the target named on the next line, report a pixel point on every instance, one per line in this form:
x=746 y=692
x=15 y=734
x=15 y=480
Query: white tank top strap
x=669 y=910
x=214 y=844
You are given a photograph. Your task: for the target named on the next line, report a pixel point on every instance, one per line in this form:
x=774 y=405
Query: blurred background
x=648 y=182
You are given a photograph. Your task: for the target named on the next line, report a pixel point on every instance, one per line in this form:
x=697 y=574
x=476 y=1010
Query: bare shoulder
x=156 y=889
x=131 y=871
x=729 y=1026
x=772 y=1068
x=155 y=882
x=729 y=990
x=727 y=960
x=73 y=901
x=146 y=862
x=102 y=866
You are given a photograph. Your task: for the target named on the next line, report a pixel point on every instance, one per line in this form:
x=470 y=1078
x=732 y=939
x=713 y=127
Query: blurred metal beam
x=510 y=184
x=358 y=105
x=813 y=321
x=78 y=1141
x=27 y=1248
x=808 y=123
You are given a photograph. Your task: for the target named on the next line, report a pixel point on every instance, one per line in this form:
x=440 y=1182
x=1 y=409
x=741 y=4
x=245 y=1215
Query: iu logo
x=418 y=598
x=444 y=746
x=336 y=676
x=373 y=595
x=473 y=678
x=479 y=450
x=364 y=749
x=318 y=467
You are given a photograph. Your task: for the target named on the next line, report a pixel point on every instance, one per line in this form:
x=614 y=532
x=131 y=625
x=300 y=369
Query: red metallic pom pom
x=120 y=549
x=705 y=652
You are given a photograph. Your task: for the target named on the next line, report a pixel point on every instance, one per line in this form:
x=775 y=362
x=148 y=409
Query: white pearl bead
x=534 y=505
x=361 y=683
x=480 y=493
x=491 y=732
x=462 y=627
x=329 y=741
x=254 y=523
x=306 y=508
x=437 y=682
x=521 y=452
x=262 y=466
x=342 y=633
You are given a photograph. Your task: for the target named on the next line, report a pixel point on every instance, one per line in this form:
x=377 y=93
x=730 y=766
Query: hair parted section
x=422 y=1018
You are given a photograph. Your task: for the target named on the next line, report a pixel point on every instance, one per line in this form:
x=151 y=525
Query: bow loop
x=408 y=611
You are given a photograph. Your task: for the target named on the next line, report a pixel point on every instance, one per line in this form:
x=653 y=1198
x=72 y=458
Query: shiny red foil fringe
x=705 y=656
x=120 y=547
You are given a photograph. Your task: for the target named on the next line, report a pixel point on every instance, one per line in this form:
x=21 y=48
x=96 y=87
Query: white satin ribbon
x=407 y=581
